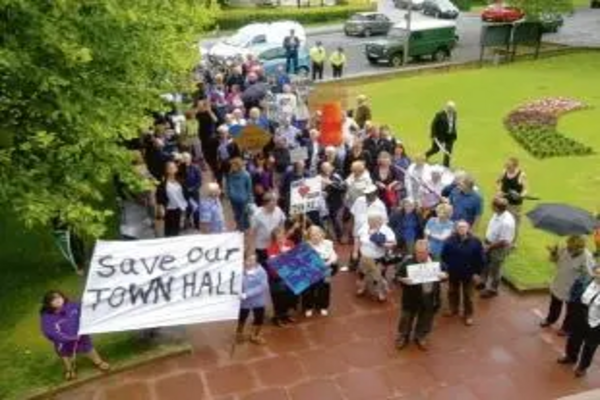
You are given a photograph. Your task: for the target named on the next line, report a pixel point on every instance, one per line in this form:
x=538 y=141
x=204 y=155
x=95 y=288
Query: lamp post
x=408 y=18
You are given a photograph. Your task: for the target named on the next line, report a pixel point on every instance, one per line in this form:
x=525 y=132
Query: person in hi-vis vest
x=318 y=55
x=338 y=61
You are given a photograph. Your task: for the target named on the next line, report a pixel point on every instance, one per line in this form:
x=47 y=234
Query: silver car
x=367 y=24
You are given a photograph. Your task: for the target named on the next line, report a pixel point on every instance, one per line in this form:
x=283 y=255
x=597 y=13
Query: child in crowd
x=255 y=290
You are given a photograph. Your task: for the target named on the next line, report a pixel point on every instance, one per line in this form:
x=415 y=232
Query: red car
x=501 y=13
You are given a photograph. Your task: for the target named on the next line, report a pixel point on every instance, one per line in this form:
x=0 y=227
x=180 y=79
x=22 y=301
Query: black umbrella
x=254 y=94
x=562 y=219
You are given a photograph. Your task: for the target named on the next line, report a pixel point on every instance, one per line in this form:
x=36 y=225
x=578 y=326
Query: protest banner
x=331 y=124
x=162 y=282
x=424 y=273
x=298 y=154
x=252 y=138
x=299 y=268
x=305 y=196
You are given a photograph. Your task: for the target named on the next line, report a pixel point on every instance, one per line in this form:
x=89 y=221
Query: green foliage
x=75 y=78
x=234 y=18
x=534 y=9
x=463 y=5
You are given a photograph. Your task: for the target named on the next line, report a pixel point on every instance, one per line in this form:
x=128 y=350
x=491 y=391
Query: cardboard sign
x=162 y=282
x=306 y=195
x=424 y=273
x=252 y=138
x=298 y=154
x=299 y=268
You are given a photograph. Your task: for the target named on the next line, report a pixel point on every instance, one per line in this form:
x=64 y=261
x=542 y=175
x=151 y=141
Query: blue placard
x=299 y=268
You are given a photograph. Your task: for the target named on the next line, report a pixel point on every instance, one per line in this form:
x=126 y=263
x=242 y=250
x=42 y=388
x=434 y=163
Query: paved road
x=580 y=29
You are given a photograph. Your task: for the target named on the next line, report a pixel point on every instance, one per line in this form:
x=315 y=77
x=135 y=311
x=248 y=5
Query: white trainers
x=308 y=313
x=344 y=269
x=324 y=312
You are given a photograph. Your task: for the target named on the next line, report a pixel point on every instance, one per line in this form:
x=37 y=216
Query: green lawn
x=484 y=97
x=31 y=266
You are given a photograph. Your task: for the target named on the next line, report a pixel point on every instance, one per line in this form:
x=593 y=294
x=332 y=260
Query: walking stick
x=442 y=147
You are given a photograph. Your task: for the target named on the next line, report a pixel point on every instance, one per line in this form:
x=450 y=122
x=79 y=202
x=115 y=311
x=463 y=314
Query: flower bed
x=534 y=126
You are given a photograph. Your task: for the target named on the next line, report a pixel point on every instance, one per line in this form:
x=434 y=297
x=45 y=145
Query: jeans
x=421 y=320
x=240 y=215
x=435 y=149
x=291 y=62
x=461 y=287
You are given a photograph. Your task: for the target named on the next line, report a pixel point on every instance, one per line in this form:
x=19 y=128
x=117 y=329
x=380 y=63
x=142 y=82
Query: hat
x=370 y=189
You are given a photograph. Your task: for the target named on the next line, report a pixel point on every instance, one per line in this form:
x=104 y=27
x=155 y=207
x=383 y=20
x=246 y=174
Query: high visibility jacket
x=318 y=55
x=337 y=59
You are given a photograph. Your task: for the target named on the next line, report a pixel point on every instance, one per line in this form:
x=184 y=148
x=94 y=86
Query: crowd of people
x=390 y=209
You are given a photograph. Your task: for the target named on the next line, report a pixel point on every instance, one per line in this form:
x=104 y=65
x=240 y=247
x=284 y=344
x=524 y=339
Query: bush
x=230 y=19
x=463 y=5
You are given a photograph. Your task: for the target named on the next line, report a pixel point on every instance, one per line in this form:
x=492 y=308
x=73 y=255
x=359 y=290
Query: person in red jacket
x=282 y=297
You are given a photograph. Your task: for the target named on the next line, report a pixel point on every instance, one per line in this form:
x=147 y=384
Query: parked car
x=272 y=55
x=595 y=3
x=501 y=12
x=551 y=22
x=241 y=43
x=440 y=9
x=427 y=37
x=405 y=4
x=367 y=24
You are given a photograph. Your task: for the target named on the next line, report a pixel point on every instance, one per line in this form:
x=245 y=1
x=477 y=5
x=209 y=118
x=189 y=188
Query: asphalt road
x=580 y=29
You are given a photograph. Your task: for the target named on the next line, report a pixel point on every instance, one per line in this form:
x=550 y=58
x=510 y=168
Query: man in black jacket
x=291 y=44
x=443 y=132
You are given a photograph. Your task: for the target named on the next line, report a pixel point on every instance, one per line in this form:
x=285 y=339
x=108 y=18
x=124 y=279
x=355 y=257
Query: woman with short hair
x=317 y=296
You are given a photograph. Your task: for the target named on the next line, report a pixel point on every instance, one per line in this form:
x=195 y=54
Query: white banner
x=424 y=273
x=163 y=282
x=306 y=195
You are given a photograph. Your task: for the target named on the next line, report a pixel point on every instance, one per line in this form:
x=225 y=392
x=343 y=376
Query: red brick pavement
x=350 y=355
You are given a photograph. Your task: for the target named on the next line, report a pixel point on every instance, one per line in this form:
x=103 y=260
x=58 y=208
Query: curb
x=159 y=354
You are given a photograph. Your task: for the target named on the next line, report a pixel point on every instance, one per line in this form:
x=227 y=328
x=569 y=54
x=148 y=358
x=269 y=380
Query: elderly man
x=443 y=132
x=362 y=114
x=212 y=219
x=373 y=240
x=462 y=259
x=498 y=241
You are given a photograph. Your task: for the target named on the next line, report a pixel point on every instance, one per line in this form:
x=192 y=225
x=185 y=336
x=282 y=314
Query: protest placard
x=298 y=154
x=305 y=196
x=162 y=282
x=299 y=268
x=424 y=273
x=252 y=138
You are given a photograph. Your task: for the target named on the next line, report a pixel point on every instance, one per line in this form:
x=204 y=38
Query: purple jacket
x=255 y=286
x=62 y=327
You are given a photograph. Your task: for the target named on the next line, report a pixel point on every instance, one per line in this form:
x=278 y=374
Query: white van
x=240 y=43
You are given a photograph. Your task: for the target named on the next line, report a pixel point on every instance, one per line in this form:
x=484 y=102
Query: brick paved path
x=350 y=355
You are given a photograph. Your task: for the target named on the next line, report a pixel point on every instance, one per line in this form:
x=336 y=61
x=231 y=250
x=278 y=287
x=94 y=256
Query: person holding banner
x=255 y=288
x=374 y=239
x=171 y=200
x=212 y=219
x=60 y=325
x=317 y=296
x=282 y=297
x=420 y=300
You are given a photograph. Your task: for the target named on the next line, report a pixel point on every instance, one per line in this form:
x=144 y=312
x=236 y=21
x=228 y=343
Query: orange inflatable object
x=331 y=124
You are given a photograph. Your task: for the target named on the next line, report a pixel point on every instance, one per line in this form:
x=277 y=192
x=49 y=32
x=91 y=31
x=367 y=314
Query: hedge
x=230 y=19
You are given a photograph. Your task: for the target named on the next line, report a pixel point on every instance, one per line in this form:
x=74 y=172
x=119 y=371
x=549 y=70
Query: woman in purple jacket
x=60 y=324
x=255 y=291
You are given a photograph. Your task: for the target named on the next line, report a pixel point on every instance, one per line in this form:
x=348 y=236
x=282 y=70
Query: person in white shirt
x=499 y=238
x=369 y=202
x=287 y=102
x=373 y=240
x=585 y=328
x=415 y=177
x=317 y=296
x=356 y=182
x=265 y=220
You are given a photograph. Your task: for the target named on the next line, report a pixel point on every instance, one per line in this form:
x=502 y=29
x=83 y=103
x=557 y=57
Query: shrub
x=230 y=19
x=463 y=5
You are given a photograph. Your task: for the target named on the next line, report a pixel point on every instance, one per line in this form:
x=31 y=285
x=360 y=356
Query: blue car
x=272 y=55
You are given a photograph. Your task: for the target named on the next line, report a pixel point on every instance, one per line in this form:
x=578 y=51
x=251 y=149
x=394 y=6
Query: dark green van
x=428 y=37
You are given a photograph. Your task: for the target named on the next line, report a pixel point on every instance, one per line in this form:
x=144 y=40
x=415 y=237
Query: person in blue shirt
x=438 y=229
x=407 y=225
x=212 y=218
x=255 y=290
x=463 y=260
x=467 y=203
x=240 y=193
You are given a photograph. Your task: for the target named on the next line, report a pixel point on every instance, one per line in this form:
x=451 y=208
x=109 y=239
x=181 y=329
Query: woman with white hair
x=212 y=219
x=374 y=239
x=317 y=296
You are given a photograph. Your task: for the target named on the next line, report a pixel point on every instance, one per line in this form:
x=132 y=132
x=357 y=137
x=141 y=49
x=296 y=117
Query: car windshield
x=357 y=18
x=398 y=33
x=445 y=3
x=237 y=40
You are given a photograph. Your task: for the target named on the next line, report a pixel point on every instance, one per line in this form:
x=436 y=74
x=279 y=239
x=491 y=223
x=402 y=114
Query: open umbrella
x=562 y=219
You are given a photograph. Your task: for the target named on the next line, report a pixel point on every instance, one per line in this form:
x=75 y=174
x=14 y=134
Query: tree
x=534 y=9
x=76 y=77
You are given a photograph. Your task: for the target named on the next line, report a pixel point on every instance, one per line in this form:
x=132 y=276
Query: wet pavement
x=350 y=355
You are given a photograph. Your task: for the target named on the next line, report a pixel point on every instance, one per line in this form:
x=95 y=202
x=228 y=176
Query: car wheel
x=440 y=55
x=372 y=61
x=396 y=60
x=367 y=32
